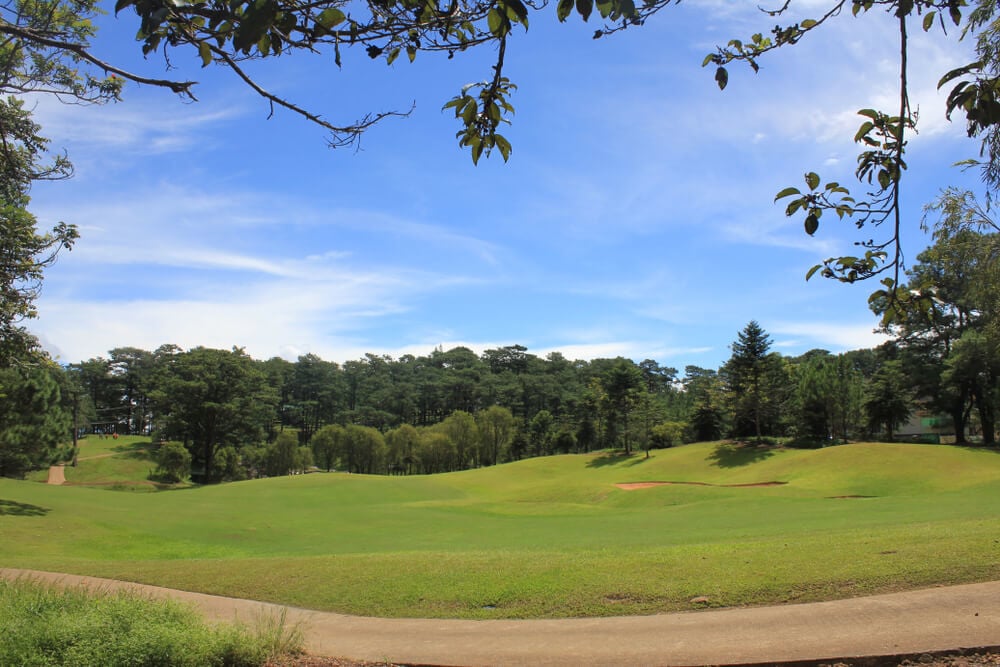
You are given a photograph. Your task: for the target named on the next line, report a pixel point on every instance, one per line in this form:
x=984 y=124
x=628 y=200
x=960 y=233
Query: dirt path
x=915 y=622
x=57 y=475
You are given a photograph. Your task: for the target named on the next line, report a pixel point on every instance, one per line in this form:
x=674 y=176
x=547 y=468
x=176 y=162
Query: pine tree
x=32 y=421
x=750 y=377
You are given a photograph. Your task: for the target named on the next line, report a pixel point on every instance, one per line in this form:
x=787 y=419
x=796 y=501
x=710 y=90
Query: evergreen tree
x=32 y=421
x=887 y=400
x=754 y=383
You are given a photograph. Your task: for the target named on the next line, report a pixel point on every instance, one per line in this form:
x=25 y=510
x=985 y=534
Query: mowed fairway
x=550 y=537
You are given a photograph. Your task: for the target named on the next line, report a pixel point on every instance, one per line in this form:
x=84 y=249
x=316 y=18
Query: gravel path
x=911 y=623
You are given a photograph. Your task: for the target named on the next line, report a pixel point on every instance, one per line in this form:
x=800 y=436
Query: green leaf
x=495 y=22
x=787 y=192
x=626 y=9
x=810 y=272
x=389 y=59
x=812 y=224
x=721 y=77
x=564 y=9
x=517 y=11
x=205 y=51
x=863 y=131
x=793 y=206
x=812 y=180
x=708 y=59
x=808 y=23
x=584 y=8
x=956 y=14
x=960 y=71
x=504 y=146
x=331 y=17
x=929 y=20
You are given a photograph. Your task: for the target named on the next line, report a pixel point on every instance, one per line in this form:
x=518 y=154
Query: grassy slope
x=545 y=537
x=116 y=463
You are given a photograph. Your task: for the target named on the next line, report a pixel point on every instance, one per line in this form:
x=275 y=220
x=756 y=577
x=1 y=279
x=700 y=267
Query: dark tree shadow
x=736 y=454
x=135 y=450
x=980 y=449
x=613 y=458
x=14 y=508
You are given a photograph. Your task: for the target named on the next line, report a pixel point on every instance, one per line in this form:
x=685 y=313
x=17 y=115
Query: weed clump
x=44 y=625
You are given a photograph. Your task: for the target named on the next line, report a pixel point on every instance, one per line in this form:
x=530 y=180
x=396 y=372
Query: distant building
x=925 y=426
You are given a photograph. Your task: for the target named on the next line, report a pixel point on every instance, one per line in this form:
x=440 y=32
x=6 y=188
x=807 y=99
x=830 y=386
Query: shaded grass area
x=44 y=625
x=118 y=464
x=547 y=537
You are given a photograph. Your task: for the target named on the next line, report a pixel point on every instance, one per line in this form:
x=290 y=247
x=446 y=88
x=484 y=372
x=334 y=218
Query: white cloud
x=828 y=335
x=145 y=125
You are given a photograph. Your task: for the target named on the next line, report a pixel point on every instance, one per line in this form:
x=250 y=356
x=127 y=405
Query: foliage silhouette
x=134 y=450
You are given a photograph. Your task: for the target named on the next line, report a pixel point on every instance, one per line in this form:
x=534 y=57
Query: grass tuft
x=41 y=624
x=277 y=636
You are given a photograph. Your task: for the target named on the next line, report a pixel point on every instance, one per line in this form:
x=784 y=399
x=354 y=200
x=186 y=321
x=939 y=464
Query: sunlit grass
x=545 y=537
x=45 y=625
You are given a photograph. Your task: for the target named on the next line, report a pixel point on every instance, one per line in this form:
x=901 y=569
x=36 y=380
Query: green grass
x=118 y=464
x=44 y=625
x=546 y=537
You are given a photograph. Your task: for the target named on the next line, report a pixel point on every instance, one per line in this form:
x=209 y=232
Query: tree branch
x=342 y=135
x=80 y=51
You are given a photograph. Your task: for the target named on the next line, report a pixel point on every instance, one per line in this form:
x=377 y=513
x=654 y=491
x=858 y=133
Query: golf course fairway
x=703 y=525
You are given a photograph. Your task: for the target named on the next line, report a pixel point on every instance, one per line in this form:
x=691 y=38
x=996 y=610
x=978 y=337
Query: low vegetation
x=44 y=625
x=547 y=537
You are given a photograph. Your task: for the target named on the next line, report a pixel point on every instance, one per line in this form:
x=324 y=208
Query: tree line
x=232 y=416
x=235 y=417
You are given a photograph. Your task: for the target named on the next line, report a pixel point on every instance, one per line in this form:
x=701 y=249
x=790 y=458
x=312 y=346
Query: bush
x=173 y=462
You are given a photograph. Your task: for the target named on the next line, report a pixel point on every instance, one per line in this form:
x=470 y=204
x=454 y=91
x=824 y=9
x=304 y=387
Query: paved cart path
x=920 y=621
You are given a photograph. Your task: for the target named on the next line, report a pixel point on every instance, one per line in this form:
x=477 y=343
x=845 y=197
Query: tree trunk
x=958 y=418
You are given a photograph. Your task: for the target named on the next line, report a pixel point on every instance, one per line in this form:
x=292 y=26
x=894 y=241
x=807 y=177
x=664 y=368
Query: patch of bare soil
x=57 y=475
x=632 y=486
x=966 y=658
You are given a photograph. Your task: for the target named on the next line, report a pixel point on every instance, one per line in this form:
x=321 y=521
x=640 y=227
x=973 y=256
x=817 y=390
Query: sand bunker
x=632 y=486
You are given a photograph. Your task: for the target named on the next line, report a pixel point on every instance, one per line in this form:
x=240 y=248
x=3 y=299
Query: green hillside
x=545 y=537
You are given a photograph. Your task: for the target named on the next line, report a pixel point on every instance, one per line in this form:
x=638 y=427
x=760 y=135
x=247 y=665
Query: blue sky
x=635 y=216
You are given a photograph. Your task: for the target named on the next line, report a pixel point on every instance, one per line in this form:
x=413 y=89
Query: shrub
x=173 y=462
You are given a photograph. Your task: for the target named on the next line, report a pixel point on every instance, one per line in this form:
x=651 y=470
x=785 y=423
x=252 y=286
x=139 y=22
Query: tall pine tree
x=753 y=381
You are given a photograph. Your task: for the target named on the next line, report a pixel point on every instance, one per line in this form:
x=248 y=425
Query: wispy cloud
x=833 y=336
x=140 y=126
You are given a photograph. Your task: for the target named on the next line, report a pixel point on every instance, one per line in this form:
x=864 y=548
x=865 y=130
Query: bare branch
x=342 y=135
x=81 y=51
